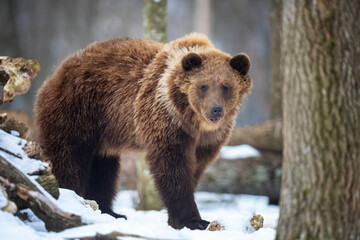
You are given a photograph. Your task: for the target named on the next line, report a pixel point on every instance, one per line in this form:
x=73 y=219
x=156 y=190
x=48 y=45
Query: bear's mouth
x=213 y=119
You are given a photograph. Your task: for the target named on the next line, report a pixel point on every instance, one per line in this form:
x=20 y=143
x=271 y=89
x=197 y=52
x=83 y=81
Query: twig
x=114 y=235
x=11 y=153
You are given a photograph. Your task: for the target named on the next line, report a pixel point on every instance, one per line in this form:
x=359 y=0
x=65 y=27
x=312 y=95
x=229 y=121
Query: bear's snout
x=217 y=111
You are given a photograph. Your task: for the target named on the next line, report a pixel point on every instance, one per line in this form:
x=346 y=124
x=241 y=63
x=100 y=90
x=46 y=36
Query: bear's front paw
x=197 y=224
x=192 y=223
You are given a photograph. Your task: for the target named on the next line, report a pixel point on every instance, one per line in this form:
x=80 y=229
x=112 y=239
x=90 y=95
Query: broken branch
x=24 y=193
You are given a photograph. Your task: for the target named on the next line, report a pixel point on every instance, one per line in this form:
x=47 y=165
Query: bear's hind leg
x=103 y=182
x=70 y=165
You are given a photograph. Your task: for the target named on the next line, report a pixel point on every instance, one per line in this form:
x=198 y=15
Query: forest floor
x=230 y=210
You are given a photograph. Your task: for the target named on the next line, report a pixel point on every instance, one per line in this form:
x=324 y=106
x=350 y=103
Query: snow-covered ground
x=232 y=211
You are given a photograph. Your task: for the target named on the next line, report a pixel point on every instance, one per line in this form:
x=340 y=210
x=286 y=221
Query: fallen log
x=16 y=75
x=239 y=176
x=264 y=137
x=254 y=175
x=45 y=178
x=260 y=175
x=14 y=120
x=24 y=193
x=13 y=175
x=50 y=184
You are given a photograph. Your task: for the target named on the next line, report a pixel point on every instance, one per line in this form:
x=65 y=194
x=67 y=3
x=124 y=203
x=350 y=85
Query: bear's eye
x=225 y=89
x=204 y=88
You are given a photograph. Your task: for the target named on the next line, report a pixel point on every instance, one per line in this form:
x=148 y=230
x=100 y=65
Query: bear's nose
x=216 y=111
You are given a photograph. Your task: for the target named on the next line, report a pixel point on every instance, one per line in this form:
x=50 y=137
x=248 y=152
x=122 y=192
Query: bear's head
x=206 y=86
x=215 y=85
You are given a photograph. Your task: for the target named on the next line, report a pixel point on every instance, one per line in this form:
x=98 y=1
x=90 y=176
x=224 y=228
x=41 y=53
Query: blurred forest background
x=49 y=31
x=312 y=140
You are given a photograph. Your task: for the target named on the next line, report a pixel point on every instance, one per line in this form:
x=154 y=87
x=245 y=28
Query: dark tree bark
x=276 y=74
x=321 y=169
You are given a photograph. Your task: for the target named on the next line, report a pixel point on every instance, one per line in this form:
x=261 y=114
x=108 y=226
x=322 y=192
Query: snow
x=12 y=228
x=231 y=210
x=14 y=133
x=22 y=161
x=71 y=202
x=241 y=151
x=3 y=200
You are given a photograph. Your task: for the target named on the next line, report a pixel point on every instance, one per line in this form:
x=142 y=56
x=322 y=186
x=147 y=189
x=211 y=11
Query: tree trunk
x=155 y=20
x=276 y=74
x=202 y=16
x=155 y=29
x=149 y=199
x=321 y=169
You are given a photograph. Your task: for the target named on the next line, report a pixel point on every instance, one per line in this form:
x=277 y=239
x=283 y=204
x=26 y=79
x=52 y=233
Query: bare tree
x=321 y=169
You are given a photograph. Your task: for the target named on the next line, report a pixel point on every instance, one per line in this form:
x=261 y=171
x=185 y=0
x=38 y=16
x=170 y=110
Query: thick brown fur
x=131 y=94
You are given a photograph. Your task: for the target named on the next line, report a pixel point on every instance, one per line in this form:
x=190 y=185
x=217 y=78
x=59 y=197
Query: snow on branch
x=24 y=193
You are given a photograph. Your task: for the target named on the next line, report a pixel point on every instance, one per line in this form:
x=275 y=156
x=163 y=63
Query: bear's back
x=113 y=60
x=93 y=91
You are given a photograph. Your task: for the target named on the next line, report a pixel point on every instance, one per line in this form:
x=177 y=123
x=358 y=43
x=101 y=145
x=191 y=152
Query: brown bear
x=177 y=101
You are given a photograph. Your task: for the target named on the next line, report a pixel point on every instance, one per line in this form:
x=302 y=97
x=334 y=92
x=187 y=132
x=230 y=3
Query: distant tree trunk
x=154 y=29
x=276 y=76
x=148 y=197
x=321 y=170
x=9 y=37
x=202 y=16
x=155 y=20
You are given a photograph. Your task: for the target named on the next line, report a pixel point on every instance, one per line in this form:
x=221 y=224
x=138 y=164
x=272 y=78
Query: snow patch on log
x=3 y=198
x=11 y=148
x=240 y=151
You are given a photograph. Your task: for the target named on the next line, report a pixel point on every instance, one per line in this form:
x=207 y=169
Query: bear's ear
x=190 y=61
x=241 y=63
